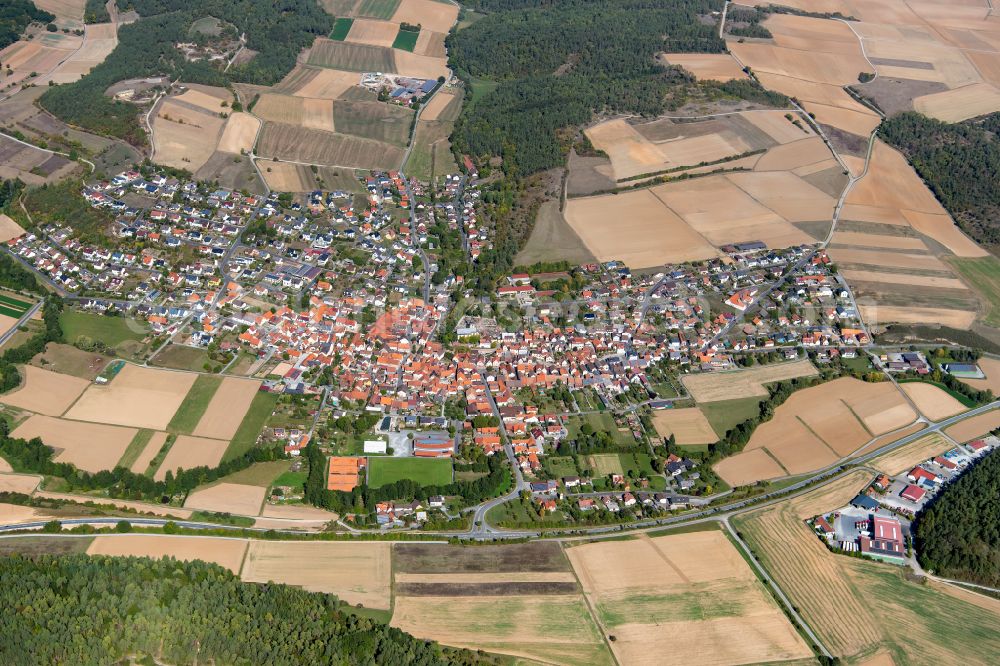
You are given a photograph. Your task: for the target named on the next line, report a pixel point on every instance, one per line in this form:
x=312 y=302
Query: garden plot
x=137 y=396
x=45 y=392
x=92 y=447
x=358 y=573
x=691 y=589
x=227 y=553
x=32 y=165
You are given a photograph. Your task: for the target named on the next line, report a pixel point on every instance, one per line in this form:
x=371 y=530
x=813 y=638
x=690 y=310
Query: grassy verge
x=253 y=422
x=194 y=405
x=135 y=448
x=984 y=276
x=341 y=27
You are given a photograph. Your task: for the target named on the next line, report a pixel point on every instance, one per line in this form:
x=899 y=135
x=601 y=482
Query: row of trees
x=100 y=610
x=958 y=535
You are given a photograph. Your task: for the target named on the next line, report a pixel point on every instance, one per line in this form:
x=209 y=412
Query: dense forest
x=958 y=536
x=960 y=163
x=558 y=63
x=278 y=30
x=75 y=609
x=15 y=16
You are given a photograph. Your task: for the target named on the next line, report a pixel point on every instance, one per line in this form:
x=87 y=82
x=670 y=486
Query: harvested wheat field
x=636 y=228
x=318 y=82
x=300 y=144
x=19 y=483
x=745 y=206
x=227 y=408
x=821 y=424
x=153 y=447
x=419 y=66
x=976 y=426
x=5 y=466
x=932 y=402
x=905 y=457
x=239 y=134
x=9 y=229
x=893 y=192
x=99 y=40
x=358 y=573
x=137 y=396
x=715 y=386
x=184 y=137
x=441 y=99
x=917 y=622
x=429 y=14
x=189 y=452
x=236 y=498
x=370 y=31
x=288 y=177
x=12 y=514
x=688 y=426
x=954 y=106
x=45 y=392
x=551 y=628
x=227 y=553
x=707 y=66
x=693 y=590
x=209 y=98
x=92 y=447
x=305 y=111
x=749 y=467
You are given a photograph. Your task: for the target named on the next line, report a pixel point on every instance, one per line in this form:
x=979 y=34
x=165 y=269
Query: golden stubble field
x=836 y=595
x=715 y=386
x=688 y=426
x=766 y=196
x=137 y=396
x=45 y=392
x=92 y=447
x=692 y=590
x=358 y=573
x=227 y=553
x=817 y=426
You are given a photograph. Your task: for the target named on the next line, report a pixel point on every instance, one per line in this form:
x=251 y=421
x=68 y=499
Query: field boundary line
x=789 y=607
x=817 y=436
x=775 y=459
x=590 y=606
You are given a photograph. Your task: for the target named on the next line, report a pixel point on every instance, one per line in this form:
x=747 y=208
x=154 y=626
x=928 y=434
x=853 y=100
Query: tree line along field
x=914 y=621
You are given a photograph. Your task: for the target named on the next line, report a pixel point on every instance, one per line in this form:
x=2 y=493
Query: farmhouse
x=886 y=540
